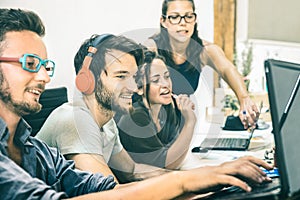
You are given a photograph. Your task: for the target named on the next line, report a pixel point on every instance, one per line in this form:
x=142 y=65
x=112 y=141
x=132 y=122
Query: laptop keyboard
x=225 y=143
x=232 y=142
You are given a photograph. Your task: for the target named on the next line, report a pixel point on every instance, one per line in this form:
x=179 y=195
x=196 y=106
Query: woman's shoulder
x=210 y=46
x=211 y=52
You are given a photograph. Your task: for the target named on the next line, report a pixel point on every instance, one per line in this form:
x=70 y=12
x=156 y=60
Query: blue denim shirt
x=44 y=173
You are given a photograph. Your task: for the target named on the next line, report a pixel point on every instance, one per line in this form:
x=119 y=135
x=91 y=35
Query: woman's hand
x=249 y=112
x=186 y=107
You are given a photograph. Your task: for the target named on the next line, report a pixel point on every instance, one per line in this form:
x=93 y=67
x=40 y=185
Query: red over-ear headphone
x=85 y=79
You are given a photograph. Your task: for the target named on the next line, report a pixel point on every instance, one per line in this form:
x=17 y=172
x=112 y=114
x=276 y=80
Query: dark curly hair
x=111 y=42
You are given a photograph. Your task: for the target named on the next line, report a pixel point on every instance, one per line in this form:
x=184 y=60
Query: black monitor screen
x=282 y=77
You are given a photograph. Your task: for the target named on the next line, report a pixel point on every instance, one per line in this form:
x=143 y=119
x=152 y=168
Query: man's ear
x=163 y=21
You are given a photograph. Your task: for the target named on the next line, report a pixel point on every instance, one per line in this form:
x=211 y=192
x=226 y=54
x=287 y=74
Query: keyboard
x=226 y=143
x=258 y=191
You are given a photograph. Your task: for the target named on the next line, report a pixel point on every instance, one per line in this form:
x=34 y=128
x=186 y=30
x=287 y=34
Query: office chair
x=50 y=99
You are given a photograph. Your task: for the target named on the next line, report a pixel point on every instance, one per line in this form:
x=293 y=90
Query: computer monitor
x=282 y=76
x=282 y=79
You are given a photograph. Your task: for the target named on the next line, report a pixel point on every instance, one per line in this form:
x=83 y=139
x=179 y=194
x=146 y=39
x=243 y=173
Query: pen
x=245 y=116
x=245 y=119
x=250 y=128
x=174 y=96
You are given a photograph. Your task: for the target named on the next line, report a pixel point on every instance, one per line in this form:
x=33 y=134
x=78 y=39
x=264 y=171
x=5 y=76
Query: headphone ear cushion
x=85 y=81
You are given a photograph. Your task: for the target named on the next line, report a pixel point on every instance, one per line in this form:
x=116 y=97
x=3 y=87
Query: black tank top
x=183 y=81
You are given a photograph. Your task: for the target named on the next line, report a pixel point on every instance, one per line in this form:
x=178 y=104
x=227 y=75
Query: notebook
x=225 y=143
x=283 y=80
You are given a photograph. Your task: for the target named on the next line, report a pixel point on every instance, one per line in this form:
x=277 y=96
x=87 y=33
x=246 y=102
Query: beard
x=107 y=99
x=21 y=108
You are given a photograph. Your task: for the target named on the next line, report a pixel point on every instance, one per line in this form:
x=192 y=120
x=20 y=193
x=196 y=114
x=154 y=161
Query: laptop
x=227 y=143
x=283 y=79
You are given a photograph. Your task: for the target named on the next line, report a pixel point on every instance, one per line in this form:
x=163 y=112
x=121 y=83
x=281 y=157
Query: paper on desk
x=226 y=155
x=211 y=158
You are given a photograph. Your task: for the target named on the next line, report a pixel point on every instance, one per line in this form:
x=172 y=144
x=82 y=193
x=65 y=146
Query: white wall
x=262 y=49
x=267 y=49
x=69 y=22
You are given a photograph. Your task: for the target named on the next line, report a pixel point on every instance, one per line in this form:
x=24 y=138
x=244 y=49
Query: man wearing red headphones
x=106 y=68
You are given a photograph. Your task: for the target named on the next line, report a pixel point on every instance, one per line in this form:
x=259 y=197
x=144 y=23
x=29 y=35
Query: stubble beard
x=21 y=108
x=107 y=99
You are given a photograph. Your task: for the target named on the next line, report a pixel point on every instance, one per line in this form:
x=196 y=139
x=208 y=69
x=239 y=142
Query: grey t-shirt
x=72 y=129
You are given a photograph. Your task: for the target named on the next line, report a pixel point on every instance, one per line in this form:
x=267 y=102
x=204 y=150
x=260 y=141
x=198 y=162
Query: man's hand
x=240 y=173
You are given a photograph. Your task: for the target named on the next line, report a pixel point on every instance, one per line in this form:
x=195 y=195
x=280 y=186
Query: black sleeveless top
x=183 y=81
x=141 y=139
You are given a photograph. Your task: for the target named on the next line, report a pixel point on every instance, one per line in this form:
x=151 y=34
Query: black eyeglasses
x=176 y=19
x=32 y=63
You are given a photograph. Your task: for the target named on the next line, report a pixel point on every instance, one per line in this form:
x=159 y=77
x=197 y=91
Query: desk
x=262 y=140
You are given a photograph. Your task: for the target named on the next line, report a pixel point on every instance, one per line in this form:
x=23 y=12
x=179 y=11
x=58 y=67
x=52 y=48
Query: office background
x=69 y=22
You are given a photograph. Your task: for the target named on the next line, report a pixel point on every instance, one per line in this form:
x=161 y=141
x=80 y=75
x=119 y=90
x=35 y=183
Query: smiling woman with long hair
x=159 y=129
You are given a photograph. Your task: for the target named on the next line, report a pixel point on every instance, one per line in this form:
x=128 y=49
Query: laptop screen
x=281 y=78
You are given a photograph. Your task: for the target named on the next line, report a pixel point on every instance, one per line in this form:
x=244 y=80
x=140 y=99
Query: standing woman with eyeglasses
x=187 y=54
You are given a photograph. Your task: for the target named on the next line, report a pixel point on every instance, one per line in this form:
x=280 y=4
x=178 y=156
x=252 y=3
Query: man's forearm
x=140 y=172
x=143 y=171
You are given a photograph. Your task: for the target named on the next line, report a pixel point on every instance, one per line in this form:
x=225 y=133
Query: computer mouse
x=199 y=150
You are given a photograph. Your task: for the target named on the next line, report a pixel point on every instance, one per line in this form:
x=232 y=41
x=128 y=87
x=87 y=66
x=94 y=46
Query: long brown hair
x=173 y=121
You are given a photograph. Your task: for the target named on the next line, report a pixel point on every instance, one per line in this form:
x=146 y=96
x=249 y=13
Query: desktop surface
x=261 y=141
